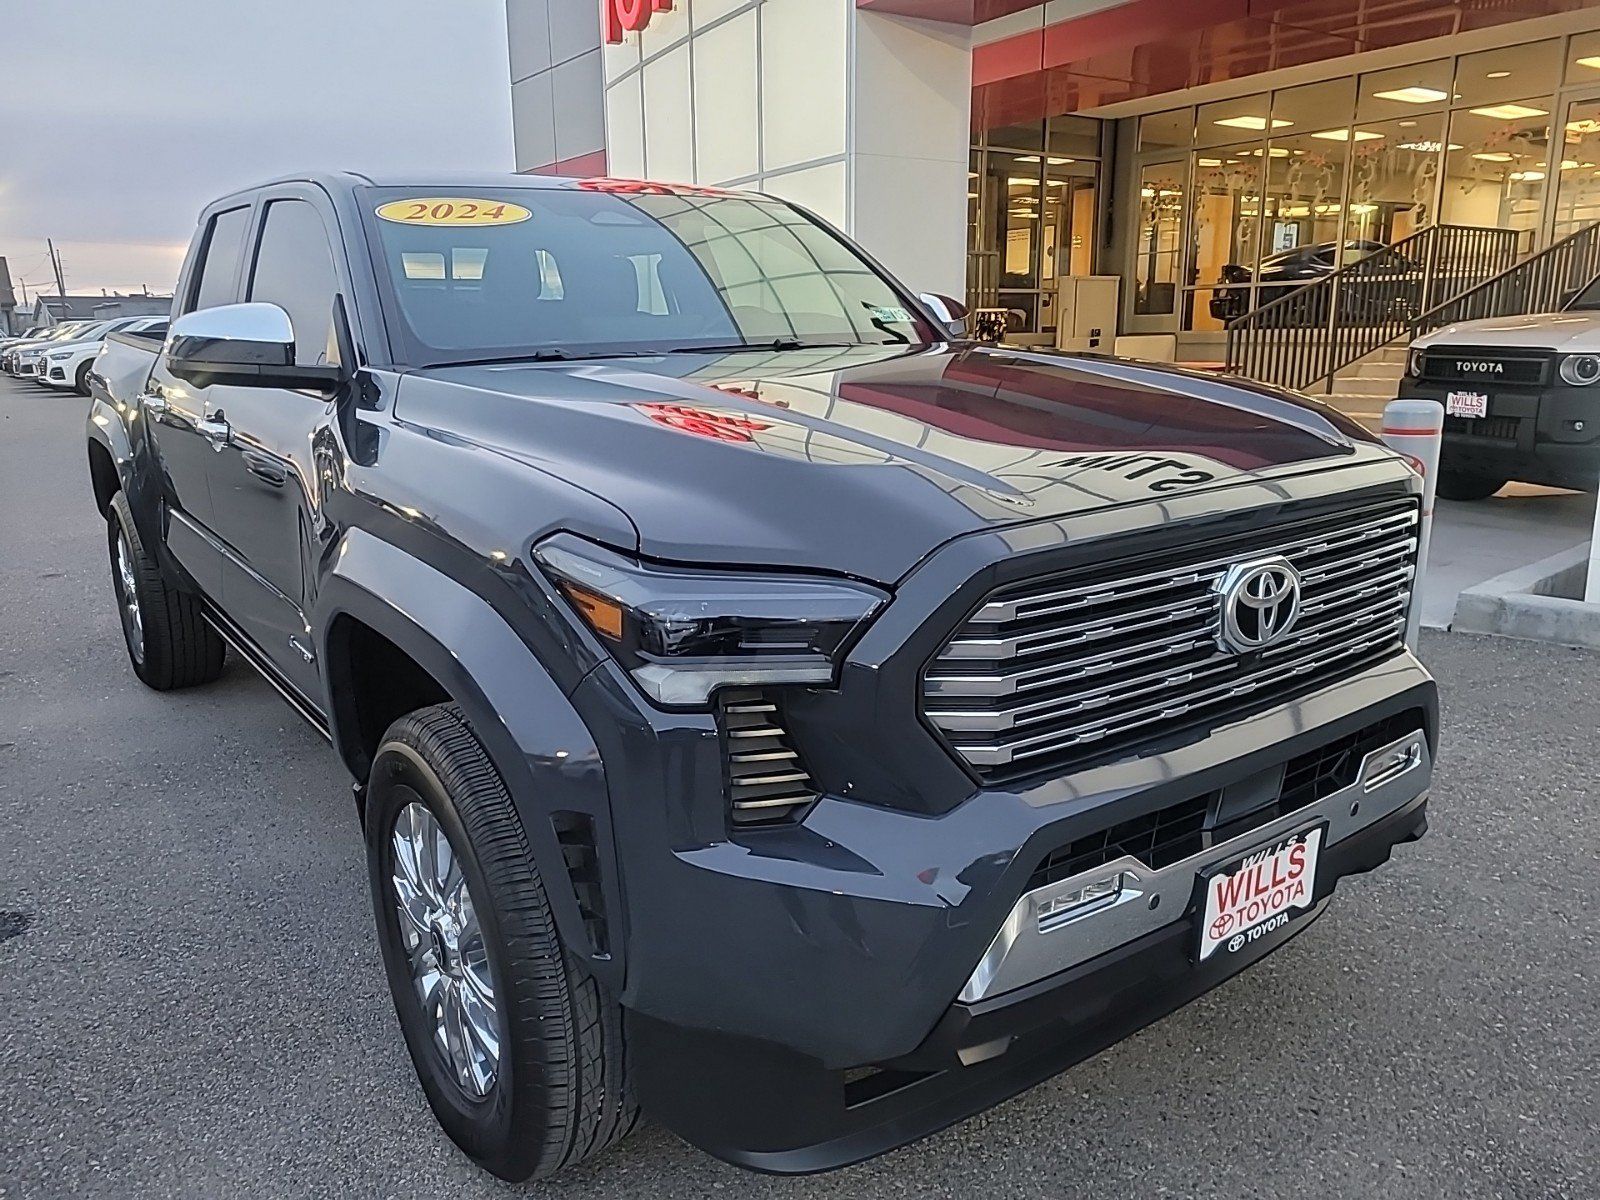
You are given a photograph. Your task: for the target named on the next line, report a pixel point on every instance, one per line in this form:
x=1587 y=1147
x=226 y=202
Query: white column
x=1592 y=592
x=860 y=117
x=909 y=127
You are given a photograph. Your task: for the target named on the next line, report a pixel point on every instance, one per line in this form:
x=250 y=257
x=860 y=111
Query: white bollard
x=1415 y=428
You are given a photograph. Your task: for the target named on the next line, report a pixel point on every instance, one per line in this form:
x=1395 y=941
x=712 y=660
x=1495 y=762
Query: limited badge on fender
x=1259 y=894
x=452 y=210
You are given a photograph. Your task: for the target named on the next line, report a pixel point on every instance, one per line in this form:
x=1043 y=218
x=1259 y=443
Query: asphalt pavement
x=191 y=1002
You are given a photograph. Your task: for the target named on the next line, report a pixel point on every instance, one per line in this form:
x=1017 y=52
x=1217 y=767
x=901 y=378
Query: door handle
x=215 y=429
x=153 y=403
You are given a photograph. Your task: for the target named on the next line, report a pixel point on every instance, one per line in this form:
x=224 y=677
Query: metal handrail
x=1314 y=330
x=1544 y=282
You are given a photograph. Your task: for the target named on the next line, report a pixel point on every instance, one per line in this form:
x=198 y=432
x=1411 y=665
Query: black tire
x=561 y=1092
x=80 y=381
x=169 y=644
x=1468 y=485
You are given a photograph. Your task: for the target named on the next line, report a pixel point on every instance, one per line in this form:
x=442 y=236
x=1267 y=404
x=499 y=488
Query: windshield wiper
x=775 y=344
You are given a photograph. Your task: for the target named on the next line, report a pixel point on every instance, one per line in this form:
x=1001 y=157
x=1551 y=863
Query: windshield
x=608 y=268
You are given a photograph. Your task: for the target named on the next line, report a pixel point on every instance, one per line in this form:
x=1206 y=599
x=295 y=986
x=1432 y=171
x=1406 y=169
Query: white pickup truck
x=1521 y=397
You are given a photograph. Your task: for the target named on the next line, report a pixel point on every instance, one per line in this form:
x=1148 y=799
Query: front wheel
x=519 y=1052
x=80 y=381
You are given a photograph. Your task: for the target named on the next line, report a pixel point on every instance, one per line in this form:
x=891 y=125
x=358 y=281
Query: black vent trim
x=1173 y=833
x=575 y=832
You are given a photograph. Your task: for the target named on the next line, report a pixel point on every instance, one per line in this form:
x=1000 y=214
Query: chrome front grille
x=1115 y=654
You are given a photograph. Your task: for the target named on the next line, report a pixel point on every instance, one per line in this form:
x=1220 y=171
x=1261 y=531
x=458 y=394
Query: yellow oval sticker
x=452 y=210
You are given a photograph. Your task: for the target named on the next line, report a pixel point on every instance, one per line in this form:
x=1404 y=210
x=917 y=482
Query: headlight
x=1580 y=370
x=1414 y=364
x=60 y=356
x=682 y=632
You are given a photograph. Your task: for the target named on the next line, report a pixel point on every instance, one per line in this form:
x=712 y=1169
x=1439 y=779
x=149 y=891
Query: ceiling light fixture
x=1345 y=135
x=1494 y=156
x=1497 y=75
x=1413 y=95
x=1252 y=122
x=1511 y=112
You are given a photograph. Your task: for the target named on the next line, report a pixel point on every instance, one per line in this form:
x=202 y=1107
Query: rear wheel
x=1468 y=485
x=519 y=1052
x=169 y=643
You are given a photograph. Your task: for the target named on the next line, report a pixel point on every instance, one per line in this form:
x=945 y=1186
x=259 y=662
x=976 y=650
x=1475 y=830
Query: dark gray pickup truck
x=765 y=708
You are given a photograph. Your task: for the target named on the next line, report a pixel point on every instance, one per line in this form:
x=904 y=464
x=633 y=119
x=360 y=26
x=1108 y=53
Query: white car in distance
x=67 y=365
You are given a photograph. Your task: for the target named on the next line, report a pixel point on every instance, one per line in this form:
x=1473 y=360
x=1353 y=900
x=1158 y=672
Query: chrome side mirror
x=951 y=314
x=241 y=344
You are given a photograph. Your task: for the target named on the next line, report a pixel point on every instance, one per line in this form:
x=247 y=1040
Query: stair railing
x=1544 y=282
x=1314 y=330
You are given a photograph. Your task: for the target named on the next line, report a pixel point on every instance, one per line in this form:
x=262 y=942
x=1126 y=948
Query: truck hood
x=1537 y=331
x=864 y=460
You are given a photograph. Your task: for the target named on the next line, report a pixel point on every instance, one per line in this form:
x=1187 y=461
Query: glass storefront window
x=1404 y=91
x=1394 y=175
x=1505 y=73
x=1583 y=60
x=1234 y=120
x=1578 y=186
x=1166 y=130
x=1158 y=243
x=1224 y=224
x=1497 y=176
x=1018 y=137
x=1010 y=195
x=1067 y=221
x=1078 y=137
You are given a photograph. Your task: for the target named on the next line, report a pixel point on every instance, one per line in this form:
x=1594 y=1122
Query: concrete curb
x=1534 y=603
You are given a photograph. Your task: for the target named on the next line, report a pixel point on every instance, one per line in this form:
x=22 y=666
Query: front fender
x=543 y=750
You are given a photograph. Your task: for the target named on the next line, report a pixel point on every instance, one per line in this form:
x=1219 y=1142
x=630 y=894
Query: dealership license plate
x=1467 y=404
x=1260 y=893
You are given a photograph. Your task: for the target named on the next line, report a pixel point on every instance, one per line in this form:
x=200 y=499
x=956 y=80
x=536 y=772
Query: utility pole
x=55 y=260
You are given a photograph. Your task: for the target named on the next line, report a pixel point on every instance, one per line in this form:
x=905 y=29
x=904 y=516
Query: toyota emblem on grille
x=1260 y=601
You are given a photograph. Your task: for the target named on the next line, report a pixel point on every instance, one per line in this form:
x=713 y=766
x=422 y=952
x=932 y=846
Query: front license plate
x=1467 y=404
x=1260 y=893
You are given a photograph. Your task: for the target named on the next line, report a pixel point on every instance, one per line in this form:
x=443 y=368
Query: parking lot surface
x=191 y=1002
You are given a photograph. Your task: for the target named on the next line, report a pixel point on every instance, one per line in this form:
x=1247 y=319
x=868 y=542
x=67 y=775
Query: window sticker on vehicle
x=452 y=210
x=889 y=313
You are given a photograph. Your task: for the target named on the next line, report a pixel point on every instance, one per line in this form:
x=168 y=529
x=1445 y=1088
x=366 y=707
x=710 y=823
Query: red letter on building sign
x=628 y=16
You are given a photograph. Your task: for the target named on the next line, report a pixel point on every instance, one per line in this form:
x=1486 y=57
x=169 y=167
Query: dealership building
x=1189 y=160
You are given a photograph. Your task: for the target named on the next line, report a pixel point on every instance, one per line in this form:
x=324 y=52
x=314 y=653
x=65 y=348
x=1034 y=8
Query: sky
x=119 y=121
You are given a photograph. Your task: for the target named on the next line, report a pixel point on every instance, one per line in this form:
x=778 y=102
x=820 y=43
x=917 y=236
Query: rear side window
x=294 y=270
x=219 y=267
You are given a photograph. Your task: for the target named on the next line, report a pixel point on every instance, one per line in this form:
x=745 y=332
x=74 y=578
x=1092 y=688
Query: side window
x=294 y=270
x=220 y=265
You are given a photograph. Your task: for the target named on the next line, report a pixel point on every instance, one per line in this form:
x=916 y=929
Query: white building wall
x=861 y=118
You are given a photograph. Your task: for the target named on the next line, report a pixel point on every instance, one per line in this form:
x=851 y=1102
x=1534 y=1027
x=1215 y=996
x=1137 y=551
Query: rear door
x=264 y=477
x=177 y=411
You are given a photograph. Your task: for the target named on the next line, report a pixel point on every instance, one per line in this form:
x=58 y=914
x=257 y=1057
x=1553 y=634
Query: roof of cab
x=336 y=182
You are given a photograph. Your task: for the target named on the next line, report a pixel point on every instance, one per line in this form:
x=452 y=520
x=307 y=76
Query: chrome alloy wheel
x=446 y=950
x=128 y=597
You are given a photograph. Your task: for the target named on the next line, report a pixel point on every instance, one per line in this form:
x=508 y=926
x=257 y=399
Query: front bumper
x=1546 y=435
x=768 y=1109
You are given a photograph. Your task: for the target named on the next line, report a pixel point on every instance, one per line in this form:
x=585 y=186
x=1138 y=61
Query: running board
x=307 y=711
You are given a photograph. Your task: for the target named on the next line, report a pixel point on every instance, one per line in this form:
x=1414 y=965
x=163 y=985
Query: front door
x=178 y=413
x=265 y=482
